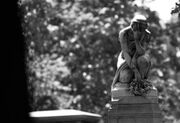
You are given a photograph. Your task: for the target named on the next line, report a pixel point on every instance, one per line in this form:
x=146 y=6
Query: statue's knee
x=126 y=75
x=142 y=61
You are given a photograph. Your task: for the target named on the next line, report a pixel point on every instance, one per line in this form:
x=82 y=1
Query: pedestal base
x=127 y=108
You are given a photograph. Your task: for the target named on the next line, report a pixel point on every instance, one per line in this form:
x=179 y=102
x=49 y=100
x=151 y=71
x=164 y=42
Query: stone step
x=136 y=120
x=135 y=113
x=134 y=99
x=135 y=108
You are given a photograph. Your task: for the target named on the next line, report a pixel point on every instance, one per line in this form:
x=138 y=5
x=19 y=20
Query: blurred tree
x=72 y=48
x=176 y=9
x=165 y=71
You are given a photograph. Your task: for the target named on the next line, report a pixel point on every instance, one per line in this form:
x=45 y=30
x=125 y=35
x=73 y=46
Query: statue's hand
x=137 y=75
x=137 y=35
x=133 y=63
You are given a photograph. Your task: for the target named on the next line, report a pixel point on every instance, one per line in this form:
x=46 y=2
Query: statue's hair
x=139 y=19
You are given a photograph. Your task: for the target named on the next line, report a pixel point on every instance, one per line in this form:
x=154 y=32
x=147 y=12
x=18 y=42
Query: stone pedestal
x=127 y=108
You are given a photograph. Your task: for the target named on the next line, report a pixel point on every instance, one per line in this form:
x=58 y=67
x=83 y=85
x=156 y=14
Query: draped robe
x=124 y=73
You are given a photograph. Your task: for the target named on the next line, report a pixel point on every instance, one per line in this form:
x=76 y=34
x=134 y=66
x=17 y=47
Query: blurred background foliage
x=72 y=49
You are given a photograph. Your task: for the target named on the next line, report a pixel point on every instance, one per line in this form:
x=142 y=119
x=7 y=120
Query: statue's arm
x=146 y=43
x=124 y=48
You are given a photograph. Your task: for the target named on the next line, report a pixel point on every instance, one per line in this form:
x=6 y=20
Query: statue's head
x=139 y=23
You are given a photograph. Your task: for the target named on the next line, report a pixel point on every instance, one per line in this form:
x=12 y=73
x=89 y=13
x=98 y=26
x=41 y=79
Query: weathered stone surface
x=134 y=113
x=127 y=108
x=120 y=92
x=135 y=99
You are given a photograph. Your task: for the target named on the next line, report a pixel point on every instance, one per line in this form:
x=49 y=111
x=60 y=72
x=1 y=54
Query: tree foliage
x=72 y=48
x=176 y=9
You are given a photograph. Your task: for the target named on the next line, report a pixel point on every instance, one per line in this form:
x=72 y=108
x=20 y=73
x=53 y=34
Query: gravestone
x=133 y=97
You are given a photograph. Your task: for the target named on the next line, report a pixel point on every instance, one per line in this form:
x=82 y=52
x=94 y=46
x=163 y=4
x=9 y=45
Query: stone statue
x=133 y=98
x=133 y=60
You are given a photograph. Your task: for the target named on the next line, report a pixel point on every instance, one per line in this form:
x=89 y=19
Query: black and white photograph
x=101 y=61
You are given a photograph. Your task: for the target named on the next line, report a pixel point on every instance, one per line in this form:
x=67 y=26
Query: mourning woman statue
x=133 y=61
